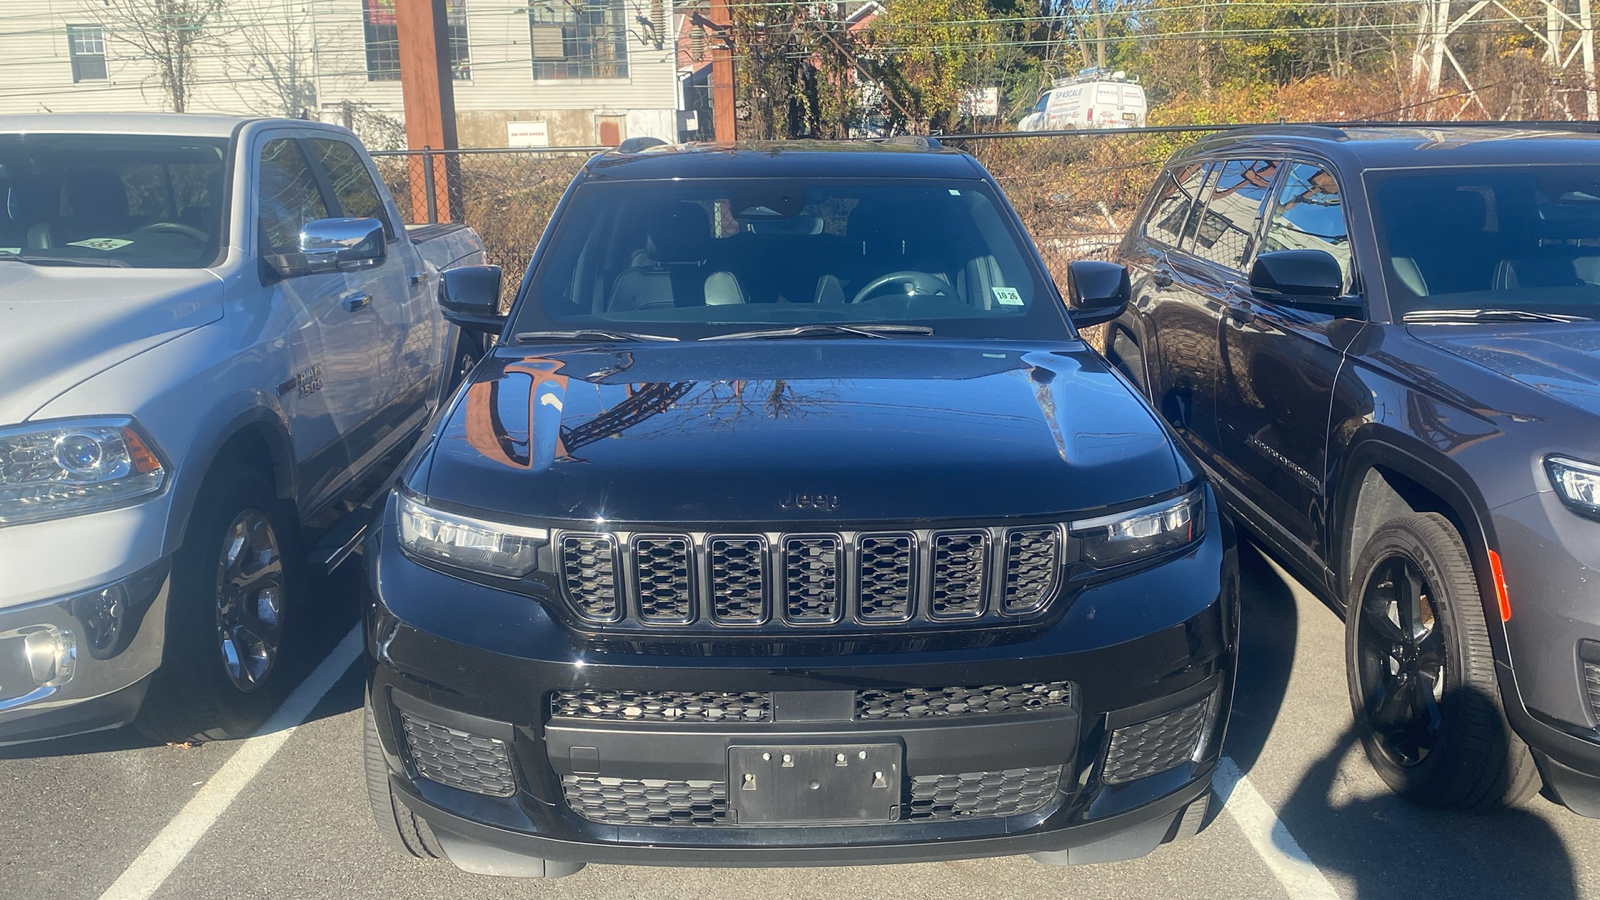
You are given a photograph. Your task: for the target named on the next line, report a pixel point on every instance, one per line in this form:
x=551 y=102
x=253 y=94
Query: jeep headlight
x=63 y=468
x=1577 y=483
x=493 y=548
x=1127 y=536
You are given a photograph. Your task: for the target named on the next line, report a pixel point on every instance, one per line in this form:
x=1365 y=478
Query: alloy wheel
x=250 y=588
x=1401 y=661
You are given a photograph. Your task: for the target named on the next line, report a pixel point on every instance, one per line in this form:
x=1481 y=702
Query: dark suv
x=1381 y=343
x=790 y=522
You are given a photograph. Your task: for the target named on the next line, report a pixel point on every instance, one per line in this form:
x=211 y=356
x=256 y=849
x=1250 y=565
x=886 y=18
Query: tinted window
x=1170 y=214
x=1522 y=238
x=1309 y=215
x=696 y=257
x=1223 y=233
x=352 y=184
x=288 y=196
x=141 y=200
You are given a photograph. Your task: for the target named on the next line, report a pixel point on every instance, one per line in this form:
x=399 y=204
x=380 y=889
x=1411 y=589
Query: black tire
x=196 y=695
x=1421 y=673
x=400 y=829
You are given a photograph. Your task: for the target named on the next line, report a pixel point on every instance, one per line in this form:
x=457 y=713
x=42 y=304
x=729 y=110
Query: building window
x=86 y=44
x=383 y=39
x=579 y=38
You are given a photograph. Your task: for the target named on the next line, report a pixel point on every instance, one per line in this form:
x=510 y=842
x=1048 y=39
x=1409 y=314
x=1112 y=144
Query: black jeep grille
x=975 y=795
x=623 y=801
x=831 y=581
x=920 y=703
x=1156 y=745
x=931 y=798
x=1591 y=680
x=662 y=706
x=457 y=759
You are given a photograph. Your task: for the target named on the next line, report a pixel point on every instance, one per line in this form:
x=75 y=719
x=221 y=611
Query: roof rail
x=919 y=141
x=639 y=144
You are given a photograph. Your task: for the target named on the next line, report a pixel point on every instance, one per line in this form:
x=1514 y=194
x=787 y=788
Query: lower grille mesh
x=1156 y=745
x=457 y=759
x=662 y=706
x=974 y=795
x=918 y=703
x=1591 y=680
x=622 y=801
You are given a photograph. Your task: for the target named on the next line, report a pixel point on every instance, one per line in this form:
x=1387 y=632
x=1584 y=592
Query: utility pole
x=722 y=111
x=428 y=86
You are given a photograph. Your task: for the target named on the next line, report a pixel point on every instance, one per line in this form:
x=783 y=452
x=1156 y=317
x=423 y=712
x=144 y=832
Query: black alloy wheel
x=250 y=594
x=1400 y=661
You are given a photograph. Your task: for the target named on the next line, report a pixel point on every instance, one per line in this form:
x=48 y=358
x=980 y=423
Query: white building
x=562 y=72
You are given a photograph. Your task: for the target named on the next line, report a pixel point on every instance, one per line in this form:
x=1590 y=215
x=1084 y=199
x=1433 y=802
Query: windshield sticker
x=101 y=243
x=1007 y=296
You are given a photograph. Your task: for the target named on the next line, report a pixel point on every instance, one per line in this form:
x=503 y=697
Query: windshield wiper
x=587 y=334
x=1426 y=316
x=63 y=260
x=872 y=331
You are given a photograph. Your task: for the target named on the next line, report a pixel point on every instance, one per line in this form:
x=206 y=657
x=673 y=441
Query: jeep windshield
x=145 y=201
x=1501 y=244
x=700 y=258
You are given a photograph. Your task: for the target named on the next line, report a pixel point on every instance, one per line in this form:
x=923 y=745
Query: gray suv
x=1382 y=345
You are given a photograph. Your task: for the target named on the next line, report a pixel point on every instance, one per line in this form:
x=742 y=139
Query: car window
x=1520 y=238
x=693 y=256
x=148 y=201
x=1223 y=232
x=352 y=184
x=1309 y=215
x=287 y=196
x=1170 y=215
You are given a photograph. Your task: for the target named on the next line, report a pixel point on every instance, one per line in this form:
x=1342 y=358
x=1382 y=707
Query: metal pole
x=430 y=191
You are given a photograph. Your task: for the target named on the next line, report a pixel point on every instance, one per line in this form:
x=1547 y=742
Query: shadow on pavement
x=1269 y=622
x=1389 y=848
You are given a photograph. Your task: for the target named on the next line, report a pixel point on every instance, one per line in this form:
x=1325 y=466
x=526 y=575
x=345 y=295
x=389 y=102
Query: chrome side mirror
x=333 y=245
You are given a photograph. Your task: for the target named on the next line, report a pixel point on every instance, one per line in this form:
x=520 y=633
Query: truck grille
x=930 y=798
x=662 y=706
x=838 y=580
x=921 y=703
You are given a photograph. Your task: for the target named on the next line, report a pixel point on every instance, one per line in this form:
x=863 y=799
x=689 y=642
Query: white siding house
x=569 y=72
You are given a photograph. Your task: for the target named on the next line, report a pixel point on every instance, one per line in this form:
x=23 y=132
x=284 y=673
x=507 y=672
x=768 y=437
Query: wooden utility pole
x=722 y=103
x=428 y=86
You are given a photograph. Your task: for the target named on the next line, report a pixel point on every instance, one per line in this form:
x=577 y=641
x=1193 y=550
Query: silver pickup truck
x=215 y=339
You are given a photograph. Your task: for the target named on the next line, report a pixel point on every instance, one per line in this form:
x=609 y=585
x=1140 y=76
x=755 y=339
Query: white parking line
x=1270 y=838
x=152 y=867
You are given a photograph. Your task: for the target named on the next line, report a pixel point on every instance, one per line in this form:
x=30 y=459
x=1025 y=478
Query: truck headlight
x=1576 y=483
x=493 y=548
x=1127 y=536
x=67 y=467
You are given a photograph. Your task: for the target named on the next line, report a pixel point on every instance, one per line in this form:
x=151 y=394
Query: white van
x=1093 y=98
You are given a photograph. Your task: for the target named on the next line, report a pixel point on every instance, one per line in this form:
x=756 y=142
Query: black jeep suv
x=1382 y=345
x=790 y=522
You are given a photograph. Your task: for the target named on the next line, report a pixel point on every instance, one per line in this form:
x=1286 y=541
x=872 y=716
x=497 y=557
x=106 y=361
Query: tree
x=278 y=58
x=166 y=34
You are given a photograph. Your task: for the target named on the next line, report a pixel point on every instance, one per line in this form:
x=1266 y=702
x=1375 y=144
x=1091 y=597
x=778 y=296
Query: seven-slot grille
x=807 y=580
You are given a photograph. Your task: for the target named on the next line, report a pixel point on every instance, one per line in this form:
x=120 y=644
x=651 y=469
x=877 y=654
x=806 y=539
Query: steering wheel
x=176 y=228
x=918 y=282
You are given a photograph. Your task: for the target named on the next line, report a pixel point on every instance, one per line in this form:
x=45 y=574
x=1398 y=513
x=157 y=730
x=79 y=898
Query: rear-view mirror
x=333 y=245
x=469 y=296
x=1097 y=292
x=1305 y=279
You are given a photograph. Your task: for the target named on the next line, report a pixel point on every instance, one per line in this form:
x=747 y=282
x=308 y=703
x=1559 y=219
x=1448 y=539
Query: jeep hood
x=782 y=431
x=1562 y=360
x=61 y=325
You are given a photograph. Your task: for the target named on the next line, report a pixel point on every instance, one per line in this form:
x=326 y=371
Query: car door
x=1182 y=366
x=394 y=291
x=330 y=385
x=1280 y=364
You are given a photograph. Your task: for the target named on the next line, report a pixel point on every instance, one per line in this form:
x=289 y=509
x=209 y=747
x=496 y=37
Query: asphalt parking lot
x=109 y=815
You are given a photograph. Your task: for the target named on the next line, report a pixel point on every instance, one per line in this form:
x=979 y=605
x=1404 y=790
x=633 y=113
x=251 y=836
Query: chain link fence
x=1075 y=191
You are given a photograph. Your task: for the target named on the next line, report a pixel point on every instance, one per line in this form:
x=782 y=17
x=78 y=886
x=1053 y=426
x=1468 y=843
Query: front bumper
x=510 y=734
x=81 y=662
x=1551 y=689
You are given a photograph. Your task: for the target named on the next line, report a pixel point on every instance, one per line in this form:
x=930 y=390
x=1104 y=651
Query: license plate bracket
x=831 y=784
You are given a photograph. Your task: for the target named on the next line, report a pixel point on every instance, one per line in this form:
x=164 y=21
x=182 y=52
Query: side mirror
x=333 y=245
x=1097 y=292
x=1304 y=279
x=470 y=297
